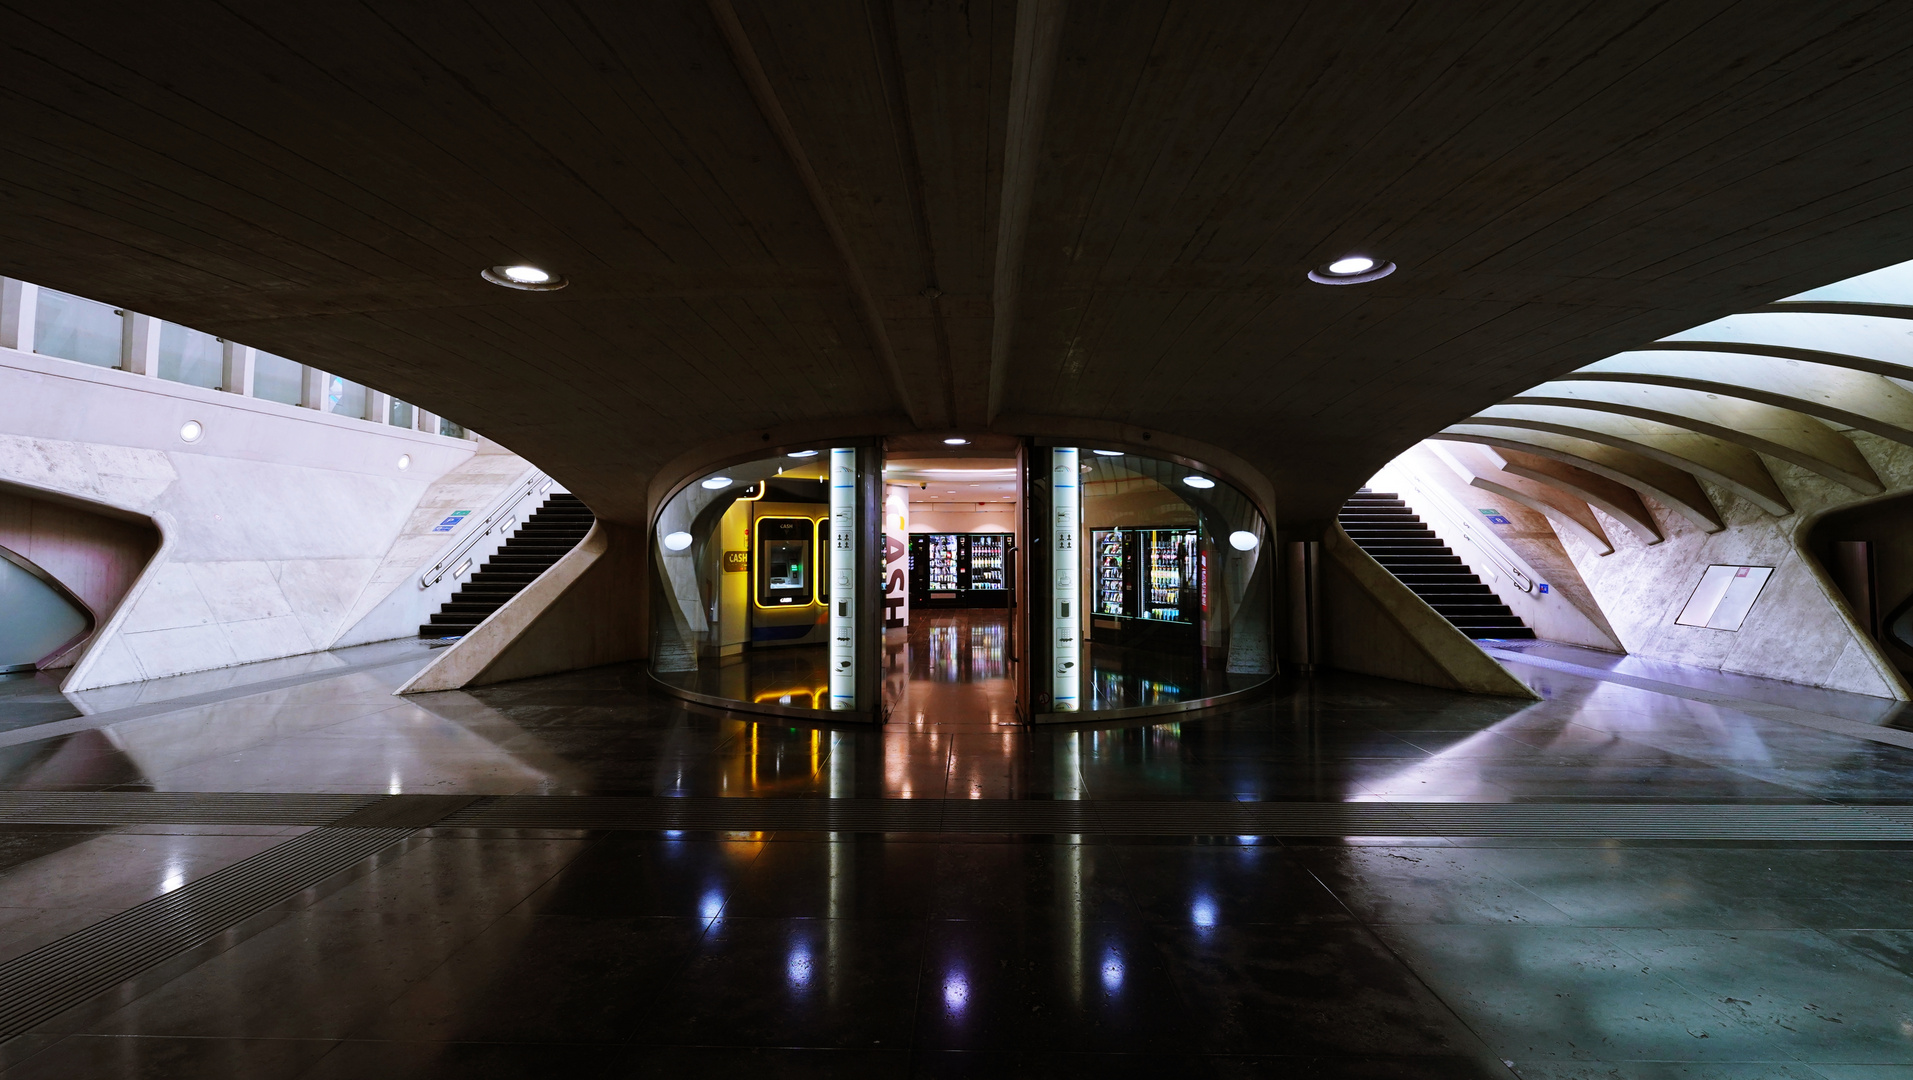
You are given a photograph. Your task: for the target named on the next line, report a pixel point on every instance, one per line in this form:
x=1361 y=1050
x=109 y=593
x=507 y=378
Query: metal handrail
x=502 y=509
x=1436 y=502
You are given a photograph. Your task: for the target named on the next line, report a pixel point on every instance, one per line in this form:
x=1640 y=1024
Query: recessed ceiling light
x=954 y=441
x=1243 y=540
x=717 y=483
x=1108 y=453
x=522 y=276
x=677 y=541
x=191 y=430
x=405 y=461
x=809 y=453
x=1351 y=270
x=1199 y=481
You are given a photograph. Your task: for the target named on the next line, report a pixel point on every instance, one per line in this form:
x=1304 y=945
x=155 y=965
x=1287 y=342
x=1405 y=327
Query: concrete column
x=236 y=374
x=378 y=406
x=19 y=301
x=312 y=388
x=139 y=344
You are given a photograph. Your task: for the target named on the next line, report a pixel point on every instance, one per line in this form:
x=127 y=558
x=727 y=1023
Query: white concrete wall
x=392 y=604
x=1797 y=631
x=274 y=524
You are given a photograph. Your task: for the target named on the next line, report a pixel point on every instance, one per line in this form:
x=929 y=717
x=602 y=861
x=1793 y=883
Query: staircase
x=1385 y=527
x=554 y=529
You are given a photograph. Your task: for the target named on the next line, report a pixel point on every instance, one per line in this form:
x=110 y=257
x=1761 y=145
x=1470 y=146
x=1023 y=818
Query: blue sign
x=1494 y=517
x=1544 y=586
x=450 y=523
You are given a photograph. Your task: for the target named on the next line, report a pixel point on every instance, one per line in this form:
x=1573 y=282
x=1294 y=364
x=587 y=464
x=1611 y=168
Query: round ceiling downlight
x=405 y=461
x=191 y=430
x=1108 y=453
x=1200 y=482
x=717 y=483
x=955 y=441
x=524 y=276
x=1351 y=270
x=677 y=541
x=1243 y=540
x=802 y=453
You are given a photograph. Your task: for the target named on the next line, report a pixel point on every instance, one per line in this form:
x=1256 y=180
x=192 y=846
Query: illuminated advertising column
x=843 y=578
x=896 y=557
x=1066 y=502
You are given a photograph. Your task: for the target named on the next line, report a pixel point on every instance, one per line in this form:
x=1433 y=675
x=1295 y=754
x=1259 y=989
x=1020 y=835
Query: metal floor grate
x=1113 y=818
x=175 y=808
x=63 y=973
x=1094 y=817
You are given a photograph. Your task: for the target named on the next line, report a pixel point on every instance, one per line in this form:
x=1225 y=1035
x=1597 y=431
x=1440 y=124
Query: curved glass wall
x=1151 y=584
x=756 y=598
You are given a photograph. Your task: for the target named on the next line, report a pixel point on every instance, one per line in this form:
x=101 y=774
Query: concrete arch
x=1729 y=464
x=1881 y=339
x=1673 y=487
x=1550 y=502
x=1839 y=394
x=1617 y=500
x=1783 y=433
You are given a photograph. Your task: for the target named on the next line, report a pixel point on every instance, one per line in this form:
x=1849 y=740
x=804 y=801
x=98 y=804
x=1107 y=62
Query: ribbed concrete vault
x=1711 y=401
x=865 y=217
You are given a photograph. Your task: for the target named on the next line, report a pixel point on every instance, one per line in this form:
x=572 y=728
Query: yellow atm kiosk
x=773 y=584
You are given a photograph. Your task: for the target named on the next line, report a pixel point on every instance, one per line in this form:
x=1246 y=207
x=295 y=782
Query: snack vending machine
x=960 y=570
x=985 y=562
x=1115 y=595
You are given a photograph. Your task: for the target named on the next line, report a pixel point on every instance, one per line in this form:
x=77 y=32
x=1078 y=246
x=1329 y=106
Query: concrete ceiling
x=783 y=221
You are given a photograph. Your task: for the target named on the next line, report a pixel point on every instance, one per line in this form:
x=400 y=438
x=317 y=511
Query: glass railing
x=57 y=324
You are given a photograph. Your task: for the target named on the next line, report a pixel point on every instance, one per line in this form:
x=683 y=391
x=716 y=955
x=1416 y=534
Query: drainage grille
x=175 y=807
x=61 y=974
x=1675 y=821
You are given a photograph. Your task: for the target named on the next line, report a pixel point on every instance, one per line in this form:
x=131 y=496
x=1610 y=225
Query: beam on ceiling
x=1783 y=433
x=1841 y=395
x=1672 y=487
x=1565 y=511
x=1039 y=26
x=744 y=55
x=1615 y=499
x=1731 y=465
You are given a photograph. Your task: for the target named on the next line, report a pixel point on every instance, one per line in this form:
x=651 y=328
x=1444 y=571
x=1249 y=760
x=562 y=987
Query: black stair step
x=1389 y=530
x=554 y=529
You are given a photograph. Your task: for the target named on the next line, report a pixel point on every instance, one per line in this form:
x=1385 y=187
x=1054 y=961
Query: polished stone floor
x=480 y=952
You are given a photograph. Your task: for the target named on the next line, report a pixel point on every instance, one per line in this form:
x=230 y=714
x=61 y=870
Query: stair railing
x=1439 y=504
x=503 y=512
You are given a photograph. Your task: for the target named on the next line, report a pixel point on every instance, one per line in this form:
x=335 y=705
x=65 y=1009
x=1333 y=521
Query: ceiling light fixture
x=806 y=453
x=1243 y=540
x=191 y=430
x=717 y=483
x=521 y=276
x=1201 y=482
x=1351 y=270
x=1108 y=453
x=677 y=541
x=955 y=441
x=405 y=461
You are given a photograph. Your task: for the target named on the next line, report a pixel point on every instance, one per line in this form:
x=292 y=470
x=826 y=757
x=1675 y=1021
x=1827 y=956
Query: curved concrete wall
x=273 y=523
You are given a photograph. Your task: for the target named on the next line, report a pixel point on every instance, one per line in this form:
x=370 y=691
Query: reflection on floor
x=952 y=671
x=478 y=951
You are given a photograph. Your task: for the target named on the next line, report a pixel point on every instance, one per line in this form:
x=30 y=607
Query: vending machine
x=959 y=570
x=1170 y=563
x=1115 y=595
x=1148 y=587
